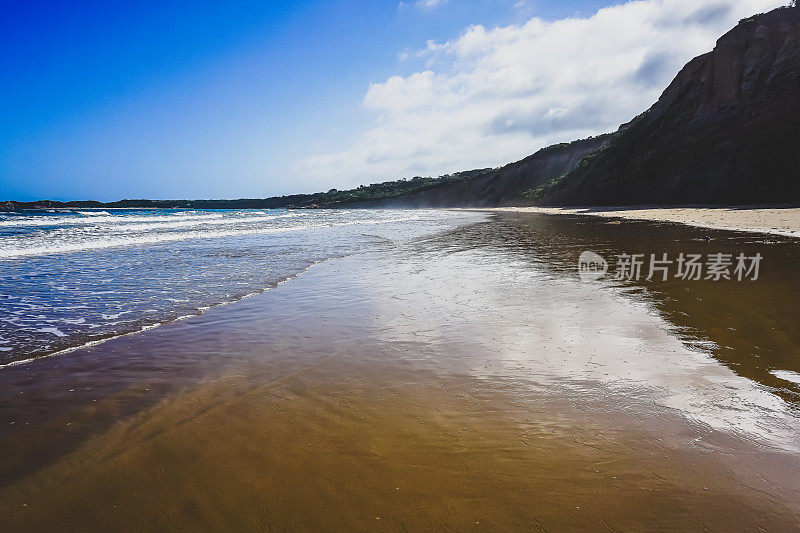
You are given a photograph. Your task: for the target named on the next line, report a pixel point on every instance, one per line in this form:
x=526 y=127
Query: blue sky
x=236 y=99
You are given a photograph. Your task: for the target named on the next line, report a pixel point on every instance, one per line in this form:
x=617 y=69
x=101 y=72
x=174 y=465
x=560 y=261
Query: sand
x=342 y=445
x=452 y=383
x=777 y=221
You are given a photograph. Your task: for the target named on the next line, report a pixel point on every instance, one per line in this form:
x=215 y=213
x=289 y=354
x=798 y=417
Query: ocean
x=74 y=277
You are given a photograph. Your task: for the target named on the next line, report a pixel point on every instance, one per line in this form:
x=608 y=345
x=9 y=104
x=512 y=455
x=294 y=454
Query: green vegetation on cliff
x=374 y=192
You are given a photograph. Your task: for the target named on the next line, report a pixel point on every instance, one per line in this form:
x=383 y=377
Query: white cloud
x=492 y=96
x=429 y=4
x=523 y=7
x=424 y=5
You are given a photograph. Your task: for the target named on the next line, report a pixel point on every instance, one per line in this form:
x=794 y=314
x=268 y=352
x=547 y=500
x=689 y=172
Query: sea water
x=72 y=277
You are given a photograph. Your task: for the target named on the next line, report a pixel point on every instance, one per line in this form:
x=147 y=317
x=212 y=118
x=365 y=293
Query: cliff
x=725 y=131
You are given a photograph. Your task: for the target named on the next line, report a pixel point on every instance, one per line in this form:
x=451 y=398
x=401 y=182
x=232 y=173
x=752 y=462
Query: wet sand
x=464 y=381
x=777 y=221
x=339 y=446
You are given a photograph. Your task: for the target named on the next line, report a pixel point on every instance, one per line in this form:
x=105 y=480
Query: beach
x=408 y=266
x=775 y=220
x=461 y=379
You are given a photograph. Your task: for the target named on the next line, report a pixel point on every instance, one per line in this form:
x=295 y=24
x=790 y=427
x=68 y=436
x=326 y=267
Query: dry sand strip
x=774 y=220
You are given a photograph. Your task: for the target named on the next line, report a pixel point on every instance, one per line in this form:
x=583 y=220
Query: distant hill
x=376 y=192
x=502 y=186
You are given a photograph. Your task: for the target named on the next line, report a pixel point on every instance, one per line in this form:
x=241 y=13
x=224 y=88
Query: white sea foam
x=98 y=244
x=54 y=331
x=786 y=375
x=97 y=219
x=115 y=315
x=38 y=248
x=184 y=223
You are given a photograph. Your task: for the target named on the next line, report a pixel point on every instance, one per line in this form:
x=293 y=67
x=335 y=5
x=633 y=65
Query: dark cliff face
x=504 y=185
x=726 y=130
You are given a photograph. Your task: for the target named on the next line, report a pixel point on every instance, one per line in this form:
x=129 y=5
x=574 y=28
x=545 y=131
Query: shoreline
x=445 y=382
x=200 y=312
x=751 y=219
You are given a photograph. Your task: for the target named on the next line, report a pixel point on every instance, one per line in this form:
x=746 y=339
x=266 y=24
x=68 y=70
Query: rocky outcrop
x=725 y=131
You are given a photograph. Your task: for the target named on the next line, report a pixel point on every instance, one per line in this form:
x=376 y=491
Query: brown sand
x=344 y=446
x=777 y=221
x=449 y=385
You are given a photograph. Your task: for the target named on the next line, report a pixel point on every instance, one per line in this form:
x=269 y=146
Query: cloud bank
x=492 y=96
